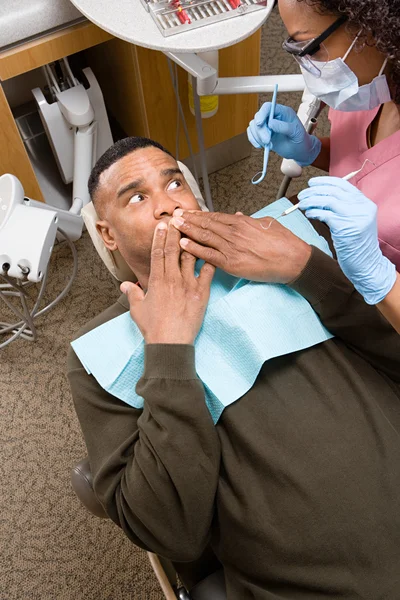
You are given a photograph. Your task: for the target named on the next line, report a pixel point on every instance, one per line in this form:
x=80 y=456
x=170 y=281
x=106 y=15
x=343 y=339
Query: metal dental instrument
x=296 y=206
x=268 y=147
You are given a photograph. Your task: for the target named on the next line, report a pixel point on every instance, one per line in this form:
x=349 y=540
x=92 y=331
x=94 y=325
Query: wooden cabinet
x=13 y=156
x=137 y=90
x=137 y=87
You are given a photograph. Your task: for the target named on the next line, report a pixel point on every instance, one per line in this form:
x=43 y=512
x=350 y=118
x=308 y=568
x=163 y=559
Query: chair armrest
x=82 y=484
x=211 y=588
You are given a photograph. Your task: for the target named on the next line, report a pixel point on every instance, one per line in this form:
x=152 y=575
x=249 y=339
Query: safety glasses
x=312 y=55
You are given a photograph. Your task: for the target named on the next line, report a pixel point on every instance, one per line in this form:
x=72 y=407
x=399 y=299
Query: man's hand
x=172 y=310
x=243 y=246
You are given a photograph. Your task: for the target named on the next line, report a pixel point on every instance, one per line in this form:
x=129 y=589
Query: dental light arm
x=77 y=110
x=208 y=82
x=76 y=123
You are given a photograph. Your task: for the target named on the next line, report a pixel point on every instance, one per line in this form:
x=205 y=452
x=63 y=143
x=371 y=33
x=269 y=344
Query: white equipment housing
x=27 y=234
x=11 y=194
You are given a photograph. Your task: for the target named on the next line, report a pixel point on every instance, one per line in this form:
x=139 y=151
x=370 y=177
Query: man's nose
x=165 y=206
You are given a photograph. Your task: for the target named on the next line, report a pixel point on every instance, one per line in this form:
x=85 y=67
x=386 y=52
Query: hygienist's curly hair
x=379 y=19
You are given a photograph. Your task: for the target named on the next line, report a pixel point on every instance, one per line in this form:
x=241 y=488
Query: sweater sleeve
x=155 y=471
x=345 y=314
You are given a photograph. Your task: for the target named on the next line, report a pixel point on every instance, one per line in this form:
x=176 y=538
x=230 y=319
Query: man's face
x=134 y=195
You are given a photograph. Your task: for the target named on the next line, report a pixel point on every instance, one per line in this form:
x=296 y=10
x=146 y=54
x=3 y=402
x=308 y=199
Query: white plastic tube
x=84 y=153
x=290 y=167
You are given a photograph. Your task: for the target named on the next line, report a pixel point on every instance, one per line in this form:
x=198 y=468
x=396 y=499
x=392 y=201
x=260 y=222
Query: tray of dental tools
x=176 y=16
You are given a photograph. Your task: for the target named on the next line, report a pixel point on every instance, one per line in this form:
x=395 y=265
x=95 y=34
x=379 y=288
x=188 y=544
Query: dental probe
x=296 y=206
x=268 y=147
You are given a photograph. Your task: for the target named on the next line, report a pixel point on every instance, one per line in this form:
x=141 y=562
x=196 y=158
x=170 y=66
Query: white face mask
x=338 y=86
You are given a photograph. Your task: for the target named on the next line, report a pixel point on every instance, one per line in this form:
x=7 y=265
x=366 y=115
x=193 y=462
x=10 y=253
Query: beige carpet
x=51 y=548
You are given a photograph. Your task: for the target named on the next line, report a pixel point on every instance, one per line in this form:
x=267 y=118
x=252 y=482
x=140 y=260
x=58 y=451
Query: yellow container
x=208 y=104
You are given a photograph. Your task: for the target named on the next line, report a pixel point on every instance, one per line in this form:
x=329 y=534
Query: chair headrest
x=113 y=259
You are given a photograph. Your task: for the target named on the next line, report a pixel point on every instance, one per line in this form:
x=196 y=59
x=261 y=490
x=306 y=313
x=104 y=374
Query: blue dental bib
x=246 y=323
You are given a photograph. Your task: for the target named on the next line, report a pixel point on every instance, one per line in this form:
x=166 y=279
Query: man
x=297 y=487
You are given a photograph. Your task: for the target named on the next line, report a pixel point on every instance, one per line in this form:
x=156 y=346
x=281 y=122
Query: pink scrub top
x=380 y=183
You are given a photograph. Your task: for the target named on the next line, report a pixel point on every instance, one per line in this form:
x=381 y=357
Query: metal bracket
x=206 y=75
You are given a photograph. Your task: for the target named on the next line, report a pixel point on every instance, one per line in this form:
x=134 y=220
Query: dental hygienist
x=349 y=54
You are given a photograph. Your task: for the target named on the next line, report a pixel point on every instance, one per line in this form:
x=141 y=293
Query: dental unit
x=75 y=120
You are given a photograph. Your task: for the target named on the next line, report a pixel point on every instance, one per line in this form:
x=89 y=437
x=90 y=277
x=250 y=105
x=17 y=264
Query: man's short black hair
x=116 y=152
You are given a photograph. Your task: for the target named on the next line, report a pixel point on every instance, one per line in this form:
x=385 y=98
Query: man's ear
x=106 y=233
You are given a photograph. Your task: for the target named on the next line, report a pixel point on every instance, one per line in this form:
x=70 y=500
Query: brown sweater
x=297 y=488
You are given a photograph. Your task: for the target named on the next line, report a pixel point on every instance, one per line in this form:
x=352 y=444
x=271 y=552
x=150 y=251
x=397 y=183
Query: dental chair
x=204 y=578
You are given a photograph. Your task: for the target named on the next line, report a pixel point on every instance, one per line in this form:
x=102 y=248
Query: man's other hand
x=243 y=246
x=172 y=310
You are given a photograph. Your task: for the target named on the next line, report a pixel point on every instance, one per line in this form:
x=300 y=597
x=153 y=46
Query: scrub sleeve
x=379 y=181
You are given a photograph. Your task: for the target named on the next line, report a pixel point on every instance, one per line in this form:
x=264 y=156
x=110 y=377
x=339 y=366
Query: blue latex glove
x=352 y=219
x=286 y=132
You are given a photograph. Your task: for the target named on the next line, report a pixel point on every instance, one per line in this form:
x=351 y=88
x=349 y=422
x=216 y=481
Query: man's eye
x=175 y=184
x=136 y=198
